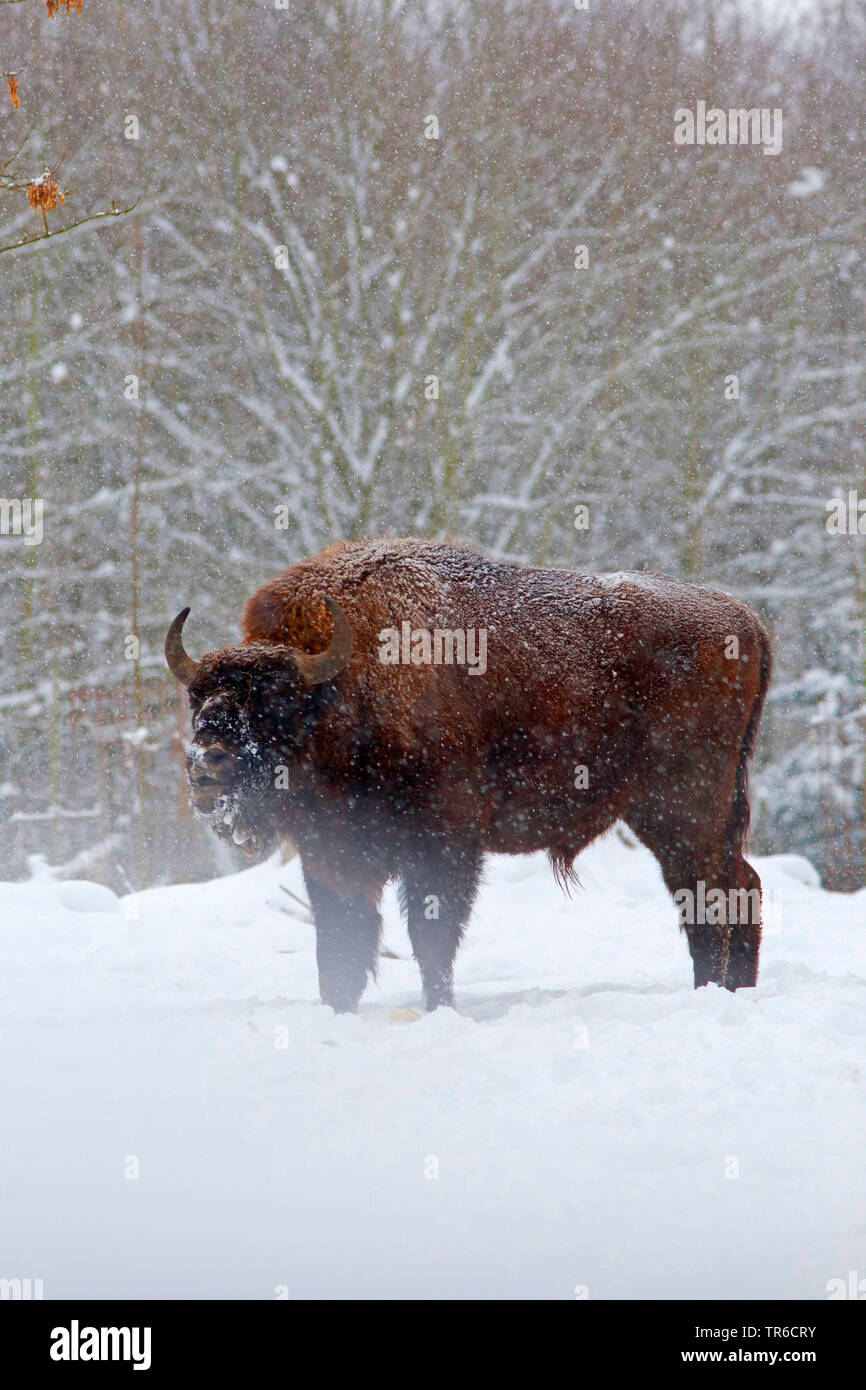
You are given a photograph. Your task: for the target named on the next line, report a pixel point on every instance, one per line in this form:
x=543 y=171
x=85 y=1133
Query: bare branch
x=27 y=243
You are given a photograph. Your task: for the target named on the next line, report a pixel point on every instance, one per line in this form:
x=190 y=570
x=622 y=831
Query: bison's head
x=251 y=707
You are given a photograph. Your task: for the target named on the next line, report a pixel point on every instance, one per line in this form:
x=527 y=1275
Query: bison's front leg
x=438 y=891
x=347 y=942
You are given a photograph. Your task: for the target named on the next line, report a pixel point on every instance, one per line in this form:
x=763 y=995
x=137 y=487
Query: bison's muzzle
x=212 y=771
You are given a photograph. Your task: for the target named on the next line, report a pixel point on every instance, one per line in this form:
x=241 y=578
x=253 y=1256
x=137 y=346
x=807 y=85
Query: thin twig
x=383 y=950
x=294 y=896
x=31 y=241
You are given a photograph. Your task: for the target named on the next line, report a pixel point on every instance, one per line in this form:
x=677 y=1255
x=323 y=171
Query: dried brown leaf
x=43 y=193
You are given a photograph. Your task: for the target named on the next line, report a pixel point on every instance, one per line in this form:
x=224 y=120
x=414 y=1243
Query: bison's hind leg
x=695 y=862
x=691 y=865
x=438 y=888
x=744 y=898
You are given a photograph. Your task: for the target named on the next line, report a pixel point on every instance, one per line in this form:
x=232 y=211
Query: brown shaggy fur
x=417 y=771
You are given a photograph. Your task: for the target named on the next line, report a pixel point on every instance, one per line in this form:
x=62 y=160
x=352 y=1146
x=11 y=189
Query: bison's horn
x=182 y=667
x=324 y=665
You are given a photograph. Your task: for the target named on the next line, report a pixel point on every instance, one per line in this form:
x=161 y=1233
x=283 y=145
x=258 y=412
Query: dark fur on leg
x=437 y=890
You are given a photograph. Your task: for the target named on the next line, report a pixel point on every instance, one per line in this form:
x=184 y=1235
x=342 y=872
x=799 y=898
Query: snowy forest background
x=303 y=259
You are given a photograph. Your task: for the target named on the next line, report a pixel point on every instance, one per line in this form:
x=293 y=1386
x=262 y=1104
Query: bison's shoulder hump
x=371 y=580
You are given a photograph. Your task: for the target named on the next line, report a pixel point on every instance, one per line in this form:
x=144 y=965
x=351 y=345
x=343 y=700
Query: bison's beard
x=242 y=814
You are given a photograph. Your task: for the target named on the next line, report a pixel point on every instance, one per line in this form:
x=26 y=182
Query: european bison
x=398 y=708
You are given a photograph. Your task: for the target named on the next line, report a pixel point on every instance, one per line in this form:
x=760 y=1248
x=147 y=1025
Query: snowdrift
x=182 y=1119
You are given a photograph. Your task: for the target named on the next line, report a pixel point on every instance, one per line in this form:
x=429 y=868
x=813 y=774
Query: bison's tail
x=738 y=823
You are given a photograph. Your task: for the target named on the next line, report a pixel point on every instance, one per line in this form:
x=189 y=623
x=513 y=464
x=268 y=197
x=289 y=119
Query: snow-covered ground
x=587 y=1121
